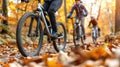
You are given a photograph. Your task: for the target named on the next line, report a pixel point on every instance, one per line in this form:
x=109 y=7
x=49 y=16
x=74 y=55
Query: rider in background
x=94 y=23
x=81 y=13
x=51 y=6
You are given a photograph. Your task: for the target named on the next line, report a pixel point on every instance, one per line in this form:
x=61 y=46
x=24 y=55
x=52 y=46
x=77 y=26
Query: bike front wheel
x=77 y=36
x=60 y=42
x=29 y=39
x=94 y=37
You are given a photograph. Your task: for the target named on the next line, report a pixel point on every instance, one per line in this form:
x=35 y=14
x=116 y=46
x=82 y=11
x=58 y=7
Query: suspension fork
x=77 y=28
x=37 y=27
x=30 y=27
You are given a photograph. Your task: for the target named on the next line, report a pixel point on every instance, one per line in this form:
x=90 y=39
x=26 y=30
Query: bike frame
x=42 y=15
x=75 y=25
x=79 y=25
x=95 y=31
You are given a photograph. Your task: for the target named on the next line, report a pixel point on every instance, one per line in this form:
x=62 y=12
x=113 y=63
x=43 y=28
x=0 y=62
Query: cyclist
x=81 y=13
x=94 y=23
x=51 y=6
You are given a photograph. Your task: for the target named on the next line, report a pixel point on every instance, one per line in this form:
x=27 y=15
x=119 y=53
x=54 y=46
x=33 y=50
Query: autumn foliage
x=101 y=54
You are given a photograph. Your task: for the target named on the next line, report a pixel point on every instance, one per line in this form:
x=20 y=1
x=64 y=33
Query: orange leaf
x=27 y=60
x=11 y=60
x=98 y=53
x=44 y=57
x=51 y=62
x=1 y=63
x=6 y=65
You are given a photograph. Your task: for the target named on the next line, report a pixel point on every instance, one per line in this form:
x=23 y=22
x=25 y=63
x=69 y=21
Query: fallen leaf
x=6 y=65
x=51 y=62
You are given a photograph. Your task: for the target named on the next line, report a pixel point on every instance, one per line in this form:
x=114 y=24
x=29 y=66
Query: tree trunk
x=117 y=16
x=99 y=10
x=109 y=20
x=5 y=14
x=4 y=11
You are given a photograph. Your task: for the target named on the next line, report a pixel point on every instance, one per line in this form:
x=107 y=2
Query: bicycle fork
x=30 y=28
x=79 y=29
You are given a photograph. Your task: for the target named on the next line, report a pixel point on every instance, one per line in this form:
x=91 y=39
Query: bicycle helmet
x=91 y=16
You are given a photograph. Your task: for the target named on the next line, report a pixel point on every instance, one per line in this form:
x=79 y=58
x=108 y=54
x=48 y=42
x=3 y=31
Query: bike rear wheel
x=60 y=42
x=27 y=25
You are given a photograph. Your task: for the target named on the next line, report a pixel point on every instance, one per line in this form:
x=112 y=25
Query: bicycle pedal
x=29 y=35
x=60 y=35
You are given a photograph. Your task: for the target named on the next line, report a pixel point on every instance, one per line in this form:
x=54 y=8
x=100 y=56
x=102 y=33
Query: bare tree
x=117 y=16
x=95 y=3
x=4 y=21
x=4 y=11
x=99 y=10
x=109 y=20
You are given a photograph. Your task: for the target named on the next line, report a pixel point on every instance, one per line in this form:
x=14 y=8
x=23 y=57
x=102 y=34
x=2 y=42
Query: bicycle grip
x=26 y=1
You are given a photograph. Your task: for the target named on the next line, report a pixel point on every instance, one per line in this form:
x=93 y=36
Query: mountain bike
x=30 y=31
x=94 y=34
x=78 y=35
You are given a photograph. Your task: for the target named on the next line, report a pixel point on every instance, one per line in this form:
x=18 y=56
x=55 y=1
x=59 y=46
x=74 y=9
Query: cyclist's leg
x=77 y=28
x=94 y=30
x=46 y=7
x=96 y=27
x=77 y=31
x=82 y=24
x=54 y=6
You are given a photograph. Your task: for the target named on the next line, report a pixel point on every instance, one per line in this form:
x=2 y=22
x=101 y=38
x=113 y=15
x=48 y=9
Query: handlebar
x=71 y=17
x=26 y=1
